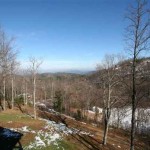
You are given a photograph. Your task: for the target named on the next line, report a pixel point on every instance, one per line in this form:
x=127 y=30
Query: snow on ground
x=100 y=110
x=51 y=134
x=41 y=104
x=83 y=122
x=90 y=111
x=25 y=129
x=43 y=139
x=119 y=146
x=60 y=127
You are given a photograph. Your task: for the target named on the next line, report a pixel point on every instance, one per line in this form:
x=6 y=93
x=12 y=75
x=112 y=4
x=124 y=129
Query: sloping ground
x=63 y=133
x=117 y=139
x=37 y=134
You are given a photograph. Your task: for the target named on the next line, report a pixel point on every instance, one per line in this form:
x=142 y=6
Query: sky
x=65 y=34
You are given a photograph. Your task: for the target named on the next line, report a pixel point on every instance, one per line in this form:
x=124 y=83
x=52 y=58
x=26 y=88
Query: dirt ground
x=117 y=138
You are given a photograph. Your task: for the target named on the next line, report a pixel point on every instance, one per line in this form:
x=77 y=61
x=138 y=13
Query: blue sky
x=66 y=34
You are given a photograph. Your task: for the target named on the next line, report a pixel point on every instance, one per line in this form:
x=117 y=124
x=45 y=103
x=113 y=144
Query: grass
x=63 y=143
x=16 y=119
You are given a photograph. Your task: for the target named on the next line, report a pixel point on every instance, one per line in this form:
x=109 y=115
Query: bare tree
x=138 y=35
x=108 y=81
x=13 y=68
x=7 y=59
x=34 y=66
x=25 y=85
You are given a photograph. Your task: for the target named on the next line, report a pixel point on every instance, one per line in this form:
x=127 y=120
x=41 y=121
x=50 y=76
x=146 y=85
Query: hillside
x=143 y=64
x=37 y=134
x=55 y=131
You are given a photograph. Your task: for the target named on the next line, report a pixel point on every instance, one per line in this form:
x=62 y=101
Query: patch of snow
x=39 y=142
x=55 y=137
x=100 y=110
x=86 y=133
x=51 y=110
x=54 y=133
x=90 y=111
x=41 y=104
x=32 y=131
x=29 y=147
x=24 y=129
x=44 y=138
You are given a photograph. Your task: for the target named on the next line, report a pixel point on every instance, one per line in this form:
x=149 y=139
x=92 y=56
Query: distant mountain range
x=78 y=72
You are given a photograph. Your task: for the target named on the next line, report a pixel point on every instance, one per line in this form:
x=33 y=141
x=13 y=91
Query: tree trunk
x=138 y=39
x=4 y=94
x=132 y=129
x=45 y=95
x=107 y=116
x=23 y=92
x=133 y=123
x=12 y=93
x=133 y=100
x=26 y=97
x=34 y=91
x=106 y=124
x=52 y=91
x=118 y=119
